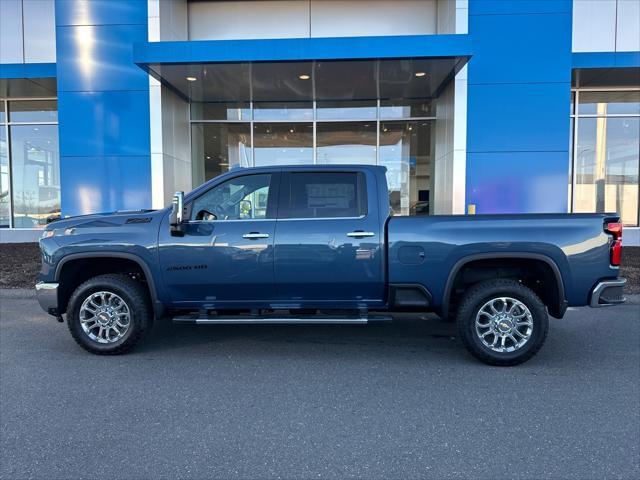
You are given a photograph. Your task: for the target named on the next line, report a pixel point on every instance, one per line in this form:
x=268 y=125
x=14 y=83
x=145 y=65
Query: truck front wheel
x=109 y=314
x=502 y=322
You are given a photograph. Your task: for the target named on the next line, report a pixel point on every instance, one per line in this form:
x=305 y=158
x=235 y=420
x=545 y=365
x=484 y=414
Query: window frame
x=272 y=199
x=284 y=203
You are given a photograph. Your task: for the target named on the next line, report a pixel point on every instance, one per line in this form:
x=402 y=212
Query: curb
x=632 y=298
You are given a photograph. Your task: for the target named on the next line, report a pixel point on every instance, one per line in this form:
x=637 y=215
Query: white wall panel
x=628 y=27
x=248 y=20
x=446 y=15
x=352 y=18
x=11 y=43
x=594 y=25
x=173 y=20
x=39 y=31
x=318 y=18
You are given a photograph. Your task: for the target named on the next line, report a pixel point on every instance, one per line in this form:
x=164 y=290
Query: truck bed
x=431 y=248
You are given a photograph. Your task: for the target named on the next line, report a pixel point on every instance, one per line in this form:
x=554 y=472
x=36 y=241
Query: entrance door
x=225 y=257
x=328 y=247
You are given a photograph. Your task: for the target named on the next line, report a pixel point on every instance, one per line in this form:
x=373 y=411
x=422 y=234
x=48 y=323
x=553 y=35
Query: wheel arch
x=556 y=310
x=144 y=267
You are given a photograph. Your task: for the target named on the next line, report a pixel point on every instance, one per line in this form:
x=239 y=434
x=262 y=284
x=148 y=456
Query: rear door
x=328 y=244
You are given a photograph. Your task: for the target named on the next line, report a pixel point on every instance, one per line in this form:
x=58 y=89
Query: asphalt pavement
x=401 y=400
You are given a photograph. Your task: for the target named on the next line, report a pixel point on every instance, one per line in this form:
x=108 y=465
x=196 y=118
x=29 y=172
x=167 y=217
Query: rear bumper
x=608 y=292
x=47 y=294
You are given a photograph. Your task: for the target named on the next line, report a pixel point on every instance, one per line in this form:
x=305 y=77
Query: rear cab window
x=324 y=195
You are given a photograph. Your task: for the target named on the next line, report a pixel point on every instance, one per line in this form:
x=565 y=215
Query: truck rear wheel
x=502 y=322
x=109 y=314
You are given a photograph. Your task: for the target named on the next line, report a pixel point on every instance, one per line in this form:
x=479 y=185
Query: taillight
x=615 y=229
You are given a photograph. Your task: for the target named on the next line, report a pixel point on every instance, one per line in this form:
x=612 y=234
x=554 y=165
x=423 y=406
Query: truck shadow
x=407 y=332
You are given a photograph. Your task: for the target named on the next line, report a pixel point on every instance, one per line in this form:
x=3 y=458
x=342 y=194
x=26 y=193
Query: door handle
x=360 y=233
x=254 y=235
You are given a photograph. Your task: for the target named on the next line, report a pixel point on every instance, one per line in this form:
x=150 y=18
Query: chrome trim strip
x=47 y=294
x=600 y=287
x=270 y=321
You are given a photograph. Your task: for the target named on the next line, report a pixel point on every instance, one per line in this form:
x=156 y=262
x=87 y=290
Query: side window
x=241 y=198
x=327 y=195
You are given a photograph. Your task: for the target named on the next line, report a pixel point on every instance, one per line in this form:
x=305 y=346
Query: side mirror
x=176 y=218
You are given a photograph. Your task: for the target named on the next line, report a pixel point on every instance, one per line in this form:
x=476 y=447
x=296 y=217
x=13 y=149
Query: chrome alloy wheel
x=504 y=324
x=105 y=317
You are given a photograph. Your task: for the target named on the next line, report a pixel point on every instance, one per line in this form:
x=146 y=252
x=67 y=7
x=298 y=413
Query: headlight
x=48 y=233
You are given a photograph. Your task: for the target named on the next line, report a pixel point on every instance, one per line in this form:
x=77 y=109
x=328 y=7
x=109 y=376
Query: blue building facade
x=477 y=106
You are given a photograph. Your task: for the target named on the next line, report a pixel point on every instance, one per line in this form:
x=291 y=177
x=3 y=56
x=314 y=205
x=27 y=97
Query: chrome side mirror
x=176 y=218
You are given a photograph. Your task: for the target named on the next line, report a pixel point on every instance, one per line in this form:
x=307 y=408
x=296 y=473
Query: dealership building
x=473 y=106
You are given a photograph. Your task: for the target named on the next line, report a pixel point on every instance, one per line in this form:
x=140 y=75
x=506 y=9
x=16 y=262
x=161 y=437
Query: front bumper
x=608 y=292
x=47 y=294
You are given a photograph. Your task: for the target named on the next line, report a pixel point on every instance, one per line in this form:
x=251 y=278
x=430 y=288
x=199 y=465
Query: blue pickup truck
x=318 y=244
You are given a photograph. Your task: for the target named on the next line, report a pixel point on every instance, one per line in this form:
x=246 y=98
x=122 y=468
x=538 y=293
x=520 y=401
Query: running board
x=215 y=320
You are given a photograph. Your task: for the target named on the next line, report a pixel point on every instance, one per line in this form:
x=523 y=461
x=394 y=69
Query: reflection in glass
x=608 y=103
x=405 y=149
x=606 y=166
x=283 y=144
x=240 y=198
x=283 y=111
x=404 y=108
x=4 y=179
x=342 y=142
x=326 y=195
x=35 y=167
x=217 y=147
x=220 y=111
x=346 y=110
x=33 y=111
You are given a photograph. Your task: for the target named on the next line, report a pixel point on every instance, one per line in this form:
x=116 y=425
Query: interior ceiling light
x=304 y=76
x=191 y=79
x=420 y=74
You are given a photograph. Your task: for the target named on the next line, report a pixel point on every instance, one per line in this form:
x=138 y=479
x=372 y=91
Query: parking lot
x=381 y=401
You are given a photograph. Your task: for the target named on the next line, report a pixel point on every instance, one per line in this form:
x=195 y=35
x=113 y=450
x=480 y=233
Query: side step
x=280 y=320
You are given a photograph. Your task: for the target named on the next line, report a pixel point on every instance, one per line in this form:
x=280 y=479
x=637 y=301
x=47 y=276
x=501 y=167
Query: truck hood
x=109 y=219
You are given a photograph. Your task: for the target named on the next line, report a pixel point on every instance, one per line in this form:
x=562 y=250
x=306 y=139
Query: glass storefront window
x=403 y=108
x=346 y=143
x=33 y=111
x=405 y=149
x=606 y=166
x=273 y=111
x=283 y=143
x=217 y=147
x=609 y=103
x=221 y=111
x=347 y=110
x=606 y=157
x=4 y=178
x=337 y=132
x=35 y=174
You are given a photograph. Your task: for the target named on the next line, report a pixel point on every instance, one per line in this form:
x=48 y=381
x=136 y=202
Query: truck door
x=328 y=246
x=226 y=254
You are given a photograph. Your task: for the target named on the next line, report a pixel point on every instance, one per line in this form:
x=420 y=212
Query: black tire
x=473 y=301
x=134 y=295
